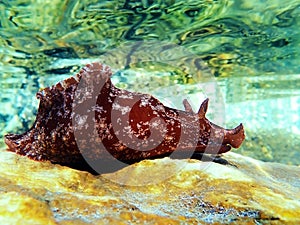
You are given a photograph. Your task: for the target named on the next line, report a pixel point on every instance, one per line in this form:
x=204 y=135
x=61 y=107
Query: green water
x=251 y=49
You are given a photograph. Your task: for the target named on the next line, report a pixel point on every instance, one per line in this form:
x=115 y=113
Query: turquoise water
x=250 y=48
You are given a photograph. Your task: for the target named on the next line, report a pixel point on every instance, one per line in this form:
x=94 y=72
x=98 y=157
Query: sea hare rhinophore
x=88 y=116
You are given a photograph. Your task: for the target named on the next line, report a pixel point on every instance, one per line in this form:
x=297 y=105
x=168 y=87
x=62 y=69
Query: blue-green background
x=251 y=48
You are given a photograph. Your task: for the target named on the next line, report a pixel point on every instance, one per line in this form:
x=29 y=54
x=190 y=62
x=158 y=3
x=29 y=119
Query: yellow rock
x=19 y=208
x=161 y=191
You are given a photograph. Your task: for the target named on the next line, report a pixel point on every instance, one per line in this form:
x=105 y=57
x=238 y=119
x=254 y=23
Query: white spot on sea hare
x=80 y=120
x=123 y=109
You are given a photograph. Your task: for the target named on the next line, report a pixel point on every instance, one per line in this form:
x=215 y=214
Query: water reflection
x=251 y=47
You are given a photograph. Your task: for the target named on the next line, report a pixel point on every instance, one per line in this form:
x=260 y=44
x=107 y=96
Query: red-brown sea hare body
x=88 y=113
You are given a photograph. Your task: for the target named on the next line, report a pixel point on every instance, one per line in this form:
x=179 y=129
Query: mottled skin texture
x=130 y=126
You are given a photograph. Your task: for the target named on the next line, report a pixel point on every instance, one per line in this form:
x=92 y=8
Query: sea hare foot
x=87 y=118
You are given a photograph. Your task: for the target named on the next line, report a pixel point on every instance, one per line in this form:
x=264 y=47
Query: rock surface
x=161 y=191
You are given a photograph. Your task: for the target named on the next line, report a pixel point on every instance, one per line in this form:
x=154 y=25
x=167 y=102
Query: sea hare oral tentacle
x=130 y=126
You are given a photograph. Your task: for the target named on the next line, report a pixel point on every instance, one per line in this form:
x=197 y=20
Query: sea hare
x=87 y=118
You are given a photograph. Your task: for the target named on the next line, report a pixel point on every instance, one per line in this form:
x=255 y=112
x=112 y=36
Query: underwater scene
x=242 y=55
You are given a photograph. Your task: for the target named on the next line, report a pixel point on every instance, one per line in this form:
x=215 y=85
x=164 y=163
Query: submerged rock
x=161 y=191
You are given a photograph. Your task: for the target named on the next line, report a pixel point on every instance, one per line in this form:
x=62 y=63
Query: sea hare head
x=88 y=112
x=213 y=139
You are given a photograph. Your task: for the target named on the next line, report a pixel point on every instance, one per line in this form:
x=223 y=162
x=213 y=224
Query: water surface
x=251 y=49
